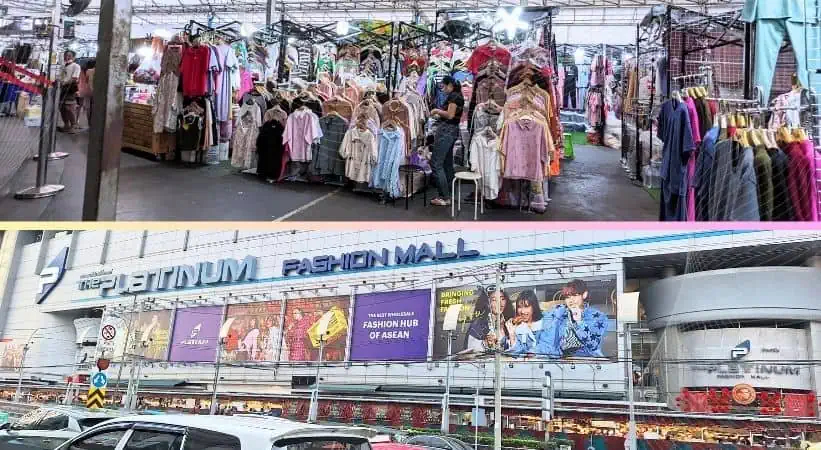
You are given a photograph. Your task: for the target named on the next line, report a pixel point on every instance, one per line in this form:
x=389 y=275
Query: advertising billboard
x=391 y=326
x=113 y=335
x=11 y=354
x=254 y=333
x=302 y=321
x=153 y=328
x=196 y=334
x=573 y=318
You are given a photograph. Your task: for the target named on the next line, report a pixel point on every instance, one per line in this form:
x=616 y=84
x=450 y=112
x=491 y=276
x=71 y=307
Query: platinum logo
x=51 y=275
x=741 y=350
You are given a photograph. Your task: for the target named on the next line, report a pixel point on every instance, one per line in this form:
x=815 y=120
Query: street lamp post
x=19 y=392
x=313 y=412
x=449 y=325
x=322 y=331
x=220 y=343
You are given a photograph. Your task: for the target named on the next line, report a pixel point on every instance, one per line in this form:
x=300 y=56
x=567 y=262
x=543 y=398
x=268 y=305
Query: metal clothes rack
x=196 y=29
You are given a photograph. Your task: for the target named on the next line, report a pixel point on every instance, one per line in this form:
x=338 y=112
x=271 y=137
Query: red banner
x=798 y=405
x=698 y=402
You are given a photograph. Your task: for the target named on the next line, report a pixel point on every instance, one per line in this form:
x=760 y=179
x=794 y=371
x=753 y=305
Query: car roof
x=83 y=413
x=252 y=431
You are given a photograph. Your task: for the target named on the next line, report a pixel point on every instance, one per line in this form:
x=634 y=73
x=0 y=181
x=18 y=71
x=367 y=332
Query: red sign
x=103 y=364
x=698 y=402
x=798 y=405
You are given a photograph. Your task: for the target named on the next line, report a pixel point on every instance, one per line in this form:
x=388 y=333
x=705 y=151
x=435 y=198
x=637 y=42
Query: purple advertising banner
x=391 y=326
x=196 y=334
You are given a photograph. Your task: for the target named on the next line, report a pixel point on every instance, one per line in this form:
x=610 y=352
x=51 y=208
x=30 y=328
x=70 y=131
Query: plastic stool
x=409 y=170
x=568 y=146
x=478 y=199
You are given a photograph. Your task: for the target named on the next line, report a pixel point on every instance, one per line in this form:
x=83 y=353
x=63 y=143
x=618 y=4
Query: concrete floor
x=592 y=187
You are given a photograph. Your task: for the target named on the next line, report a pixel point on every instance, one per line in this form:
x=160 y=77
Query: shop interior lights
x=509 y=22
x=342 y=28
x=578 y=56
x=246 y=30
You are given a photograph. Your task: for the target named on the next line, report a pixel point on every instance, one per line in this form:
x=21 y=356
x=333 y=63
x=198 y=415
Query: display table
x=138 y=131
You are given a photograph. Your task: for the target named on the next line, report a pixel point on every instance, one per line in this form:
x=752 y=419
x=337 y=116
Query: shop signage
x=747 y=371
x=51 y=275
x=196 y=334
x=227 y=270
x=366 y=259
x=391 y=326
x=741 y=350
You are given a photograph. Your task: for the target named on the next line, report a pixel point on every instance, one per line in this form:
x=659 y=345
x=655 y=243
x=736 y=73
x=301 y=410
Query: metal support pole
x=497 y=365
x=127 y=339
x=283 y=51
x=47 y=130
x=19 y=392
x=213 y=409
x=749 y=59
x=106 y=129
x=476 y=421
x=628 y=349
x=547 y=406
x=446 y=398
x=635 y=107
x=313 y=411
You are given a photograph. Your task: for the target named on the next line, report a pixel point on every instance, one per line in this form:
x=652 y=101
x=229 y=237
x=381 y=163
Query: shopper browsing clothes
x=85 y=89
x=69 y=81
x=444 y=138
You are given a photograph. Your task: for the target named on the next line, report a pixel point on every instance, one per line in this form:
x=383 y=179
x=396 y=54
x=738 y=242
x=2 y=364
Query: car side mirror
x=5 y=426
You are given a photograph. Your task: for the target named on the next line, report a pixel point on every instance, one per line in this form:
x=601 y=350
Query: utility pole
x=628 y=349
x=126 y=344
x=18 y=394
x=446 y=399
x=220 y=344
x=547 y=406
x=497 y=362
x=313 y=411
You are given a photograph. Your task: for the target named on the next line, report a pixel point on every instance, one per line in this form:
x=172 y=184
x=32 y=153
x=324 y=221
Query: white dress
x=485 y=160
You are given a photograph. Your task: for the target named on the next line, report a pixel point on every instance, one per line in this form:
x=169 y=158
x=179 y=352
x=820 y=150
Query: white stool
x=478 y=199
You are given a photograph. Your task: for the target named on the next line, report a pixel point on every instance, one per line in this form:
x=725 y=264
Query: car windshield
x=89 y=422
x=323 y=444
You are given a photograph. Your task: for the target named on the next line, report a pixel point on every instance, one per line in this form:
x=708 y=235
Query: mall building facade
x=717 y=323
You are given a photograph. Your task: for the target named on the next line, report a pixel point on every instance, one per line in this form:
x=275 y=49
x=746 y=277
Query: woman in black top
x=447 y=131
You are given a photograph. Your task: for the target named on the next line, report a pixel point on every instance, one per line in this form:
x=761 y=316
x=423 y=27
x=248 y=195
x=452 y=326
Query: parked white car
x=47 y=427
x=192 y=432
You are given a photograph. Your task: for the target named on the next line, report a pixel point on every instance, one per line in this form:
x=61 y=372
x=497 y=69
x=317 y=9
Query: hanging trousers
x=770 y=33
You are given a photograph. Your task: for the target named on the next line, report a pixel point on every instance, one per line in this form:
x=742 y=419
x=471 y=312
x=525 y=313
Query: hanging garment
x=270 y=150
x=194 y=70
x=486 y=52
x=301 y=130
x=327 y=160
x=703 y=176
x=360 y=152
x=228 y=64
x=775 y=20
x=674 y=130
x=167 y=103
x=391 y=156
x=486 y=160
x=245 y=137
x=525 y=149
x=782 y=202
x=802 y=181
x=764 y=175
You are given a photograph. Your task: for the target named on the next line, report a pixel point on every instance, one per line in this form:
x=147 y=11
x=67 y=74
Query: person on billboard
x=574 y=328
x=525 y=329
x=297 y=336
x=482 y=333
x=249 y=343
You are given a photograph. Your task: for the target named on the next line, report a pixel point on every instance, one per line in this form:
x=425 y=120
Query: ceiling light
x=579 y=55
x=509 y=22
x=342 y=28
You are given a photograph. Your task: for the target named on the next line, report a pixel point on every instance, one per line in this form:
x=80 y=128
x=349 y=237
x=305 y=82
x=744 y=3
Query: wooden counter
x=138 y=131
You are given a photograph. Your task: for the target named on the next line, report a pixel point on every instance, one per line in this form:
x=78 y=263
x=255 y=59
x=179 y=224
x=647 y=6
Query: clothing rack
x=196 y=29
